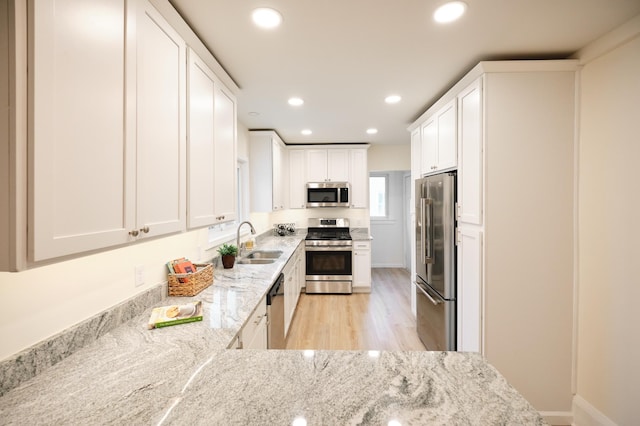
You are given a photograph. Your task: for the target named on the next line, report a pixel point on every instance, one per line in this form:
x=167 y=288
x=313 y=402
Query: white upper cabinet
x=160 y=125
x=327 y=165
x=107 y=135
x=225 y=143
x=297 y=179
x=439 y=141
x=83 y=166
x=109 y=157
x=359 y=178
x=269 y=171
x=470 y=172
x=211 y=148
x=280 y=182
x=338 y=165
x=316 y=165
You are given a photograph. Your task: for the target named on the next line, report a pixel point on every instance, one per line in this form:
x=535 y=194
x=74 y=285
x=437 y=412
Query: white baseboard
x=585 y=414
x=557 y=417
x=388 y=265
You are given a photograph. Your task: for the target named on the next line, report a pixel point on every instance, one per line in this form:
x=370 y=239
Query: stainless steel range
x=329 y=257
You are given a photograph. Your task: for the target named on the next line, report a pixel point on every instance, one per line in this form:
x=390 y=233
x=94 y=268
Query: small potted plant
x=228 y=253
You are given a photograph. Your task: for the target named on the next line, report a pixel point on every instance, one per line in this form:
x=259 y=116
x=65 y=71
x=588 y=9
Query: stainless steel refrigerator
x=436 y=261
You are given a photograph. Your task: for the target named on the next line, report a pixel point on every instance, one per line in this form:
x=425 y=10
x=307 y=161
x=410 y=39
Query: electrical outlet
x=139 y=275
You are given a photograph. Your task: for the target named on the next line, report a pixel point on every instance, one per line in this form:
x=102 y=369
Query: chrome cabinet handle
x=145 y=229
x=134 y=233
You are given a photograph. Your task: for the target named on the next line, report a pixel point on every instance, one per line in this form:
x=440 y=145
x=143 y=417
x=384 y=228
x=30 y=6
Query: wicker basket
x=191 y=284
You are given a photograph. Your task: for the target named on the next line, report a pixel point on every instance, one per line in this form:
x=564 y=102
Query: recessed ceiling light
x=295 y=101
x=265 y=17
x=449 y=12
x=372 y=131
x=393 y=99
x=306 y=132
x=253 y=113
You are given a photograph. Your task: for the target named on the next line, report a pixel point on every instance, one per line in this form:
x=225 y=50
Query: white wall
x=41 y=302
x=387 y=247
x=608 y=339
x=390 y=157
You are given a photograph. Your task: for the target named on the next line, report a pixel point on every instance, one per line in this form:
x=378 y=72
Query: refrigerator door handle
x=427 y=237
x=431 y=299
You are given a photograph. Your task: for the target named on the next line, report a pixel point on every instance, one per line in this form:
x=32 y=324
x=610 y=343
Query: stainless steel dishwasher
x=275 y=314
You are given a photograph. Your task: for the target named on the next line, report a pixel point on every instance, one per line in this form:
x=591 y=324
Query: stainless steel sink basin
x=253 y=261
x=264 y=254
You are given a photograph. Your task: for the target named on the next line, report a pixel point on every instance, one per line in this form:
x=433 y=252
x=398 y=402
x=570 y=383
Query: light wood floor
x=381 y=320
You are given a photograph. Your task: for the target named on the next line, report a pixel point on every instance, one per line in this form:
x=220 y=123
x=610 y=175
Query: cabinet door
x=289 y=294
x=225 y=176
x=82 y=167
x=316 y=165
x=278 y=203
x=359 y=179
x=470 y=148
x=254 y=332
x=297 y=179
x=362 y=266
x=338 y=165
x=447 y=141
x=200 y=144
x=160 y=124
x=429 y=149
x=469 y=296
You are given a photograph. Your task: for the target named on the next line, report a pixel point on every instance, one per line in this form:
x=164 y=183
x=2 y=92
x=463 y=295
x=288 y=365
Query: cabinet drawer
x=361 y=245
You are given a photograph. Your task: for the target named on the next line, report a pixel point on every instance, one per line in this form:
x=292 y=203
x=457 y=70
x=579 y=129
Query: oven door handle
x=328 y=248
x=431 y=299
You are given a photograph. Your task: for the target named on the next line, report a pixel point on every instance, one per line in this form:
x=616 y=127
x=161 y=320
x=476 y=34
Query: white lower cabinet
x=469 y=295
x=254 y=333
x=292 y=285
x=362 y=266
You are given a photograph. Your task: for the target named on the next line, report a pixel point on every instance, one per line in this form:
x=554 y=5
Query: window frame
x=386 y=177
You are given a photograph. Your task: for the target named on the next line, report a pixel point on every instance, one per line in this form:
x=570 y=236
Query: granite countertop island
x=185 y=375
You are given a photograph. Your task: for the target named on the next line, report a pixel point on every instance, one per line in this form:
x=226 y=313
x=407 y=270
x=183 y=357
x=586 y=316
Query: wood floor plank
x=381 y=320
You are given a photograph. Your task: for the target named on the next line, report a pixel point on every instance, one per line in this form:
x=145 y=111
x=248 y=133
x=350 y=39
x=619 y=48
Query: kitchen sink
x=254 y=261
x=263 y=254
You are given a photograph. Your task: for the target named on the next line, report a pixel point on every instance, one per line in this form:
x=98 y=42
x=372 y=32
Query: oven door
x=328 y=263
x=328 y=270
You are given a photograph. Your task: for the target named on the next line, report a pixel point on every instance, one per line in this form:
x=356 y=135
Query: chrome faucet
x=253 y=231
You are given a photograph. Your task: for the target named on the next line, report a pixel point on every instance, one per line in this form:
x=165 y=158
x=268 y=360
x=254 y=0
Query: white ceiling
x=343 y=57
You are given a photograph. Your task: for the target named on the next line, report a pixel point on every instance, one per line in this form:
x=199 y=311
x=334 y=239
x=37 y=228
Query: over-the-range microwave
x=328 y=194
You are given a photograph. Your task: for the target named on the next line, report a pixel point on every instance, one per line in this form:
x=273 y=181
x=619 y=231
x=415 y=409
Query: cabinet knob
x=145 y=229
x=134 y=233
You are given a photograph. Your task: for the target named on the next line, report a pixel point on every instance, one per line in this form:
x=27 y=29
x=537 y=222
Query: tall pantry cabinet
x=515 y=215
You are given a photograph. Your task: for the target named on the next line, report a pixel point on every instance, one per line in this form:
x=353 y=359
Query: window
x=378 y=195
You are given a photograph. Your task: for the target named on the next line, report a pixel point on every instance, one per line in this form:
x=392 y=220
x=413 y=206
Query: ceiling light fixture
x=372 y=131
x=393 y=99
x=449 y=12
x=253 y=113
x=295 y=101
x=265 y=17
x=306 y=132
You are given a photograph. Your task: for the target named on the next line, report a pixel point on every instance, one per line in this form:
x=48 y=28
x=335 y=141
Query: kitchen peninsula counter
x=186 y=382
x=185 y=375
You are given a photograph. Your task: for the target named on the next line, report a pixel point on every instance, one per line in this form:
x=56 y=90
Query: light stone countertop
x=184 y=375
